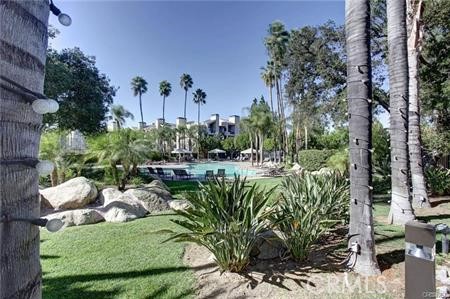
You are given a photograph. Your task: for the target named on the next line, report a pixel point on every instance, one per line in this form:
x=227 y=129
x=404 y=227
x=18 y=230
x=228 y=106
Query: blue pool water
x=199 y=169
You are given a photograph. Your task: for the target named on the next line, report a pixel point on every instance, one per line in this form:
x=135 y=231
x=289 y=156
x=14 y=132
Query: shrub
x=155 y=156
x=339 y=161
x=137 y=181
x=309 y=205
x=438 y=180
x=226 y=218
x=312 y=160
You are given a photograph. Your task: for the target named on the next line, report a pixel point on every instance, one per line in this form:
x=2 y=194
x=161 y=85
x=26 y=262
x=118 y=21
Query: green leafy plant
x=313 y=160
x=309 y=205
x=339 y=161
x=438 y=180
x=226 y=218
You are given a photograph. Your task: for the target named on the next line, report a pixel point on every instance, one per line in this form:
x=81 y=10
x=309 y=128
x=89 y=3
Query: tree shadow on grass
x=48 y=257
x=77 y=286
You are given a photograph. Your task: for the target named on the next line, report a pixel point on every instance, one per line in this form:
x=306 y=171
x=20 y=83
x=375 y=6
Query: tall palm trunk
x=271 y=98
x=261 y=146
x=359 y=91
x=419 y=191
x=140 y=107
x=164 y=108
x=185 y=102
x=251 y=148
x=401 y=209
x=285 y=132
x=23 y=48
x=198 y=131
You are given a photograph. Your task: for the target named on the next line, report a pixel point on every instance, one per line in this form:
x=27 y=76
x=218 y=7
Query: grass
x=111 y=260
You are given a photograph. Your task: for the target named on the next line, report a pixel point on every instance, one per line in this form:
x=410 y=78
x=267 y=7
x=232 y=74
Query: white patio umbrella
x=216 y=151
x=248 y=151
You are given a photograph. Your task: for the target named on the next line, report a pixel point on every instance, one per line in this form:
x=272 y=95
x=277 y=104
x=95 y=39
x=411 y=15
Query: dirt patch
x=320 y=277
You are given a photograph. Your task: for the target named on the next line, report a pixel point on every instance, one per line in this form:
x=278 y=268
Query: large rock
x=152 y=198
x=108 y=195
x=77 y=217
x=124 y=208
x=158 y=183
x=179 y=204
x=268 y=246
x=73 y=194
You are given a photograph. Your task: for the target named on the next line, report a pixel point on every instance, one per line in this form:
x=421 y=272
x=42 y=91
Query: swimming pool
x=199 y=169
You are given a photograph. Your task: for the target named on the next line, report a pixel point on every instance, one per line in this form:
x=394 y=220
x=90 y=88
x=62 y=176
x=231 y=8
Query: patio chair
x=209 y=174
x=182 y=173
x=221 y=173
x=161 y=172
x=151 y=171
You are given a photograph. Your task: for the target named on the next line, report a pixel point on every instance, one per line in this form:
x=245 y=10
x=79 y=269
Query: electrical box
x=420 y=269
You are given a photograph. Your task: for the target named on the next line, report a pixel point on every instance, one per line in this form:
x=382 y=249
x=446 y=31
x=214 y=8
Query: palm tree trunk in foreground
x=23 y=48
x=401 y=209
x=419 y=191
x=359 y=92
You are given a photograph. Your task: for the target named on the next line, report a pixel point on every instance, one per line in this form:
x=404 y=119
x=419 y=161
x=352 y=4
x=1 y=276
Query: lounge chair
x=220 y=173
x=209 y=174
x=151 y=171
x=161 y=172
x=182 y=174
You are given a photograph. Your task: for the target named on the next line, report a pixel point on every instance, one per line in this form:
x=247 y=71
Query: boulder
x=443 y=292
x=77 y=217
x=268 y=246
x=108 y=195
x=152 y=198
x=73 y=194
x=179 y=204
x=158 y=183
x=122 y=209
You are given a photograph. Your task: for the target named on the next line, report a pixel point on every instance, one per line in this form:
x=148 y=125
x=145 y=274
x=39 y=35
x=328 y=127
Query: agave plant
x=309 y=205
x=226 y=218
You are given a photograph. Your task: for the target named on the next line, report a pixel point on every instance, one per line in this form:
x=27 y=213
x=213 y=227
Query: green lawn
x=111 y=260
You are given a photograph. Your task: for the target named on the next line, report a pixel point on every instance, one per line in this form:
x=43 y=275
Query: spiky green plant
x=308 y=206
x=226 y=218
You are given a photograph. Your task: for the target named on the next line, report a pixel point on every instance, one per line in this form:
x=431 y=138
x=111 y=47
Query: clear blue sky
x=219 y=43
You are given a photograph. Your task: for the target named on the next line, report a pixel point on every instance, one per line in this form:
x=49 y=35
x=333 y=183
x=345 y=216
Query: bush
x=339 y=162
x=137 y=181
x=155 y=156
x=438 y=180
x=313 y=160
x=309 y=205
x=226 y=218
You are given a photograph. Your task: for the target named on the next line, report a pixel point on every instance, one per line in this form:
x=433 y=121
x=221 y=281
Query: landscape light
x=43 y=106
x=63 y=18
x=52 y=225
x=44 y=167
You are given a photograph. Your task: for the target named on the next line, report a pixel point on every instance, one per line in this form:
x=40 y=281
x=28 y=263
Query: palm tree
x=164 y=90
x=401 y=209
x=199 y=99
x=415 y=28
x=139 y=87
x=119 y=114
x=22 y=67
x=277 y=44
x=269 y=75
x=186 y=83
x=359 y=93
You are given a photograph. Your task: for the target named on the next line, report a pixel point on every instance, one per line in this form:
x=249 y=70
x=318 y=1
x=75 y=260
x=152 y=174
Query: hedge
x=313 y=160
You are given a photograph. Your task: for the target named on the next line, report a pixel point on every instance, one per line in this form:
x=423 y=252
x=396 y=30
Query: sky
x=219 y=43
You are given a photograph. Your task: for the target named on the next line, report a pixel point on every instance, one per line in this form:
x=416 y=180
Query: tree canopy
x=84 y=93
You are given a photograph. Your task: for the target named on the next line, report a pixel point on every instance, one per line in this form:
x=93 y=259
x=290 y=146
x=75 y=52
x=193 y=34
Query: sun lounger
x=151 y=170
x=209 y=174
x=182 y=174
x=220 y=173
x=161 y=173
